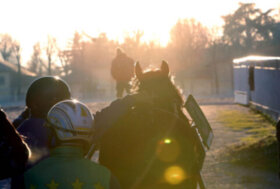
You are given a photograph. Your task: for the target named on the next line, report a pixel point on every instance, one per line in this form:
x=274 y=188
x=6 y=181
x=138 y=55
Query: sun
x=32 y=21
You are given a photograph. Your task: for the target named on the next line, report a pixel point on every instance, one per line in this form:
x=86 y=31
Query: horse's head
x=158 y=84
x=157 y=74
x=150 y=123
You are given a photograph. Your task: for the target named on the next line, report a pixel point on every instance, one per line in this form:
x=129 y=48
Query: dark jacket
x=13 y=151
x=21 y=118
x=122 y=68
x=278 y=139
x=37 y=136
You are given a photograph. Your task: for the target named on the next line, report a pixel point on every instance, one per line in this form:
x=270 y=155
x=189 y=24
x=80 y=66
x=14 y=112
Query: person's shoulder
x=96 y=166
x=46 y=164
x=115 y=59
x=130 y=62
x=25 y=125
x=38 y=173
x=31 y=122
x=129 y=59
x=34 y=170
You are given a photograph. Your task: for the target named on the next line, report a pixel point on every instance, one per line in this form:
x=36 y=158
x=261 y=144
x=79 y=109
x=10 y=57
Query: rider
x=45 y=92
x=42 y=94
x=66 y=167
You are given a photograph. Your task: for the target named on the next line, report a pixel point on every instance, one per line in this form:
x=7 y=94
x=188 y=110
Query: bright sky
x=30 y=21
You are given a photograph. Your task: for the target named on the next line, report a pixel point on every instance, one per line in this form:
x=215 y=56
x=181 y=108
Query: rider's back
x=65 y=168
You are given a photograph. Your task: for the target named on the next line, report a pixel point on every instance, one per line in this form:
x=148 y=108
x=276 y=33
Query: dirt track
x=217 y=173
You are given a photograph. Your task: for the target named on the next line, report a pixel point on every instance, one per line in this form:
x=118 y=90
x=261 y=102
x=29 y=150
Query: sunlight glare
x=167 y=141
x=34 y=19
x=75 y=101
x=168 y=150
x=174 y=175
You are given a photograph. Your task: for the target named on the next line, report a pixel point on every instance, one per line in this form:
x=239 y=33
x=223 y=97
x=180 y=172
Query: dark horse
x=13 y=151
x=151 y=147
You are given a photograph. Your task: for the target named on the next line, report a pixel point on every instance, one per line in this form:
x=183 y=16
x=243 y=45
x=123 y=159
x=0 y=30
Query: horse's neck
x=169 y=107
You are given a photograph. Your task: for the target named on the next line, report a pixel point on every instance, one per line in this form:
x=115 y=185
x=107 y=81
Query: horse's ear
x=164 y=68
x=138 y=70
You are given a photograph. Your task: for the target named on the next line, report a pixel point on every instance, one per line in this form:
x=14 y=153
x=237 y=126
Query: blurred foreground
x=220 y=171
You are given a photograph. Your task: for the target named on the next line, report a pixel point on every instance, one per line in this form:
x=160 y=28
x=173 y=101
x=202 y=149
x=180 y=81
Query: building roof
x=254 y=58
x=7 y=66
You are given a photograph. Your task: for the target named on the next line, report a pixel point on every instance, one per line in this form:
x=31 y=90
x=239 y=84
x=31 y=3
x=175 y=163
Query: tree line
x=192 y=47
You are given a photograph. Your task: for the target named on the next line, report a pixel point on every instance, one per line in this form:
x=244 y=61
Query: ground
x=219 y=173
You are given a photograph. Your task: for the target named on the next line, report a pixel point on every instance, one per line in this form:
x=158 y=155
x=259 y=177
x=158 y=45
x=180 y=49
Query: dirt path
x=217 y=173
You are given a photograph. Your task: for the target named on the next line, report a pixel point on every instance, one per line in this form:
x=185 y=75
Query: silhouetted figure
x=13 y=151
x=152 y=145
x=122 y=70
x=278 y=139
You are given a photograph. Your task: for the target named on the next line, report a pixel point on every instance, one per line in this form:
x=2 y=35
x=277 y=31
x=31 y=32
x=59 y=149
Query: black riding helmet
x=44 y=92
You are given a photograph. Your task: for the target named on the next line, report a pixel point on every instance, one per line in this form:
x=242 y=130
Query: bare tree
x=36 y=64
x=65 y=58
x=17 y=51
x=51 y=50
x=248 y=28
x=132 y=43
x=77 y=53
x=10 y=48
x=6 y=46
x=188 y=41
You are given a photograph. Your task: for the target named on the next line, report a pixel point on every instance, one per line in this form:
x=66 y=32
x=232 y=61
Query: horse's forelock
x=153 y=81
x=153 y=75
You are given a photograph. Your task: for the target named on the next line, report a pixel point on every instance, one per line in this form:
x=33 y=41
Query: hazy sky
x=30 y=21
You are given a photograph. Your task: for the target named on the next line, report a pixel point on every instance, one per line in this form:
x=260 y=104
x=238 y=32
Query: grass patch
x=260 y=153
x=253 y=123
x=258 y=148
